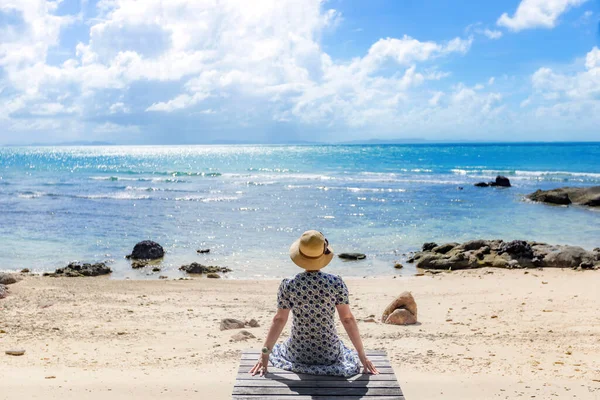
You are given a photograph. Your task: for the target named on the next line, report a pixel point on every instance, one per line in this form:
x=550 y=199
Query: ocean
x=249 y=203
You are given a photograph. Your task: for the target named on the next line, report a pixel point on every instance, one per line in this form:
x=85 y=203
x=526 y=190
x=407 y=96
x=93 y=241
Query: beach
x=482 y=334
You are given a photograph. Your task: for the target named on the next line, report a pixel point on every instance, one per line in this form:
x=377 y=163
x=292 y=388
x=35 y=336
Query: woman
x=313 y=296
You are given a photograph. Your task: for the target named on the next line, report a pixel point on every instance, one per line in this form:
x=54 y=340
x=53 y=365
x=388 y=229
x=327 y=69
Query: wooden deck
x=285 y=385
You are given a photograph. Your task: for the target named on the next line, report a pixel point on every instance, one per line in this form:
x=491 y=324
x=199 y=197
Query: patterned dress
x=313 y=346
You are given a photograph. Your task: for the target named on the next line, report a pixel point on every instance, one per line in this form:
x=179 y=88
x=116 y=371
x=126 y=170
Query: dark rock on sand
x=203 y=251
x=589 y=196
x=74 y=270
x=3 y=291
x=147 y=250
x=352 y=256
x=500 y=254
x=15 y=352
x=196 y=268
x=213 y=275
x=401 y=311
x=25 y=271
x=517 y=248
x=231 y=323
x=8 y=278
x=398 y=266
x=252 y=323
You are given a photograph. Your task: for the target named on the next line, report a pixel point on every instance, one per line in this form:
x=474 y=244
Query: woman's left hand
x=261 y=366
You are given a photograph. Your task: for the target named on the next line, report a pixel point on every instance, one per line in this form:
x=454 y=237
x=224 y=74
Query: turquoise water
x=249 y=203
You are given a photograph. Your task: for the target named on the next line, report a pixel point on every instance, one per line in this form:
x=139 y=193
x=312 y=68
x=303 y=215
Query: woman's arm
x=351 y=328
x=279 y=321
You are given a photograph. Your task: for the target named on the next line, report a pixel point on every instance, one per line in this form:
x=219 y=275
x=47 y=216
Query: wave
x=31 y=195
x=170 y=173
x=206 y=199
x=120 y=178
x=150 y=189
x=278 y=170
x=532 y=175
x=111 y=196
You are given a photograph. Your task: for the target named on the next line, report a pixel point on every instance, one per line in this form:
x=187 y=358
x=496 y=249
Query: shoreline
x=483 y=334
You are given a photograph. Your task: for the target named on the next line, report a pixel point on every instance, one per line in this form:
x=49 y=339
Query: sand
x=483 y=334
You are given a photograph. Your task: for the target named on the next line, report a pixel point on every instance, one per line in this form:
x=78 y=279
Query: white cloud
x=537 y=14
x=491 y=81
x=178 y=103
x=492 y=34
x=119 y=108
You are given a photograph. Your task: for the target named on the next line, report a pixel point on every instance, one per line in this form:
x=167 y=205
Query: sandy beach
x=483 y=334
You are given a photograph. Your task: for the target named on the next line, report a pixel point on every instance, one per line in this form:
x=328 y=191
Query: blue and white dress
x=314 y=346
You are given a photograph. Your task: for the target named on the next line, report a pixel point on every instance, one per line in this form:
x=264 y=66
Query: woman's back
x=312 y=297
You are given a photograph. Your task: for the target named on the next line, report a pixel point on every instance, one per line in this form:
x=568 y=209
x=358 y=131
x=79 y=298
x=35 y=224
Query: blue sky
x=183 y=71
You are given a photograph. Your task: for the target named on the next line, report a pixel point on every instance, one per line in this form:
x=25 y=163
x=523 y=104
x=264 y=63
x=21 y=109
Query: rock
x=3 y=291
x=589 y=196
x=398 y=266
x=586 y=265
x=242 y=336
x=163 y=277
x=196 y=268
x=428 y=246
x=147 y=250
x=74 y=270
x=481 y=184
x=444 y=248
x=230 y=323
x=8 y=278
x=401 y=311
x=551 y=197
x=482 y=252
x=139 y=264
x=501 y=181
x=16 y=352
x=212 y=275
x=203 y=251
x=517 y=249
x=473 y=245
x=25 y=271
x=370 y=319
x=568 y=257
x=156 y=269
x=352 y=256
x=253 y=323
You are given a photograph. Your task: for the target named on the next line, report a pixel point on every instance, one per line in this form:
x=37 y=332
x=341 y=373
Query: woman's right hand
x=368 y=366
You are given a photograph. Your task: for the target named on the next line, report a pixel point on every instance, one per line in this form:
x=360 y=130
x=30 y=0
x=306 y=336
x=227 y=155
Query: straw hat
x=312 y=251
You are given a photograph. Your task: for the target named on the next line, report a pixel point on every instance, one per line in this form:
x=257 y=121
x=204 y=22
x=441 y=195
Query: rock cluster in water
x=589 y=196
x=500 y=181
x=197 y=268
x=501 y=254
x=75 y=270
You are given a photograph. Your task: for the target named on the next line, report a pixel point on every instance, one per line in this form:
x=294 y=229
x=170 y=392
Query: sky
x=199 y=71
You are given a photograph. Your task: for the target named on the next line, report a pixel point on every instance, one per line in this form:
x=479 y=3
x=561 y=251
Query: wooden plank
x=254 y=357
x=243 y=376
x=378 y=364
x=369 y=353
x=328 y=397
x=344 y=391
x=245 y=369
x=316 y=384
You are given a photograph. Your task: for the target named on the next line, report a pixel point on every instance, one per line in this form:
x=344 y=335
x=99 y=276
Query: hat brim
x=309 y=264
